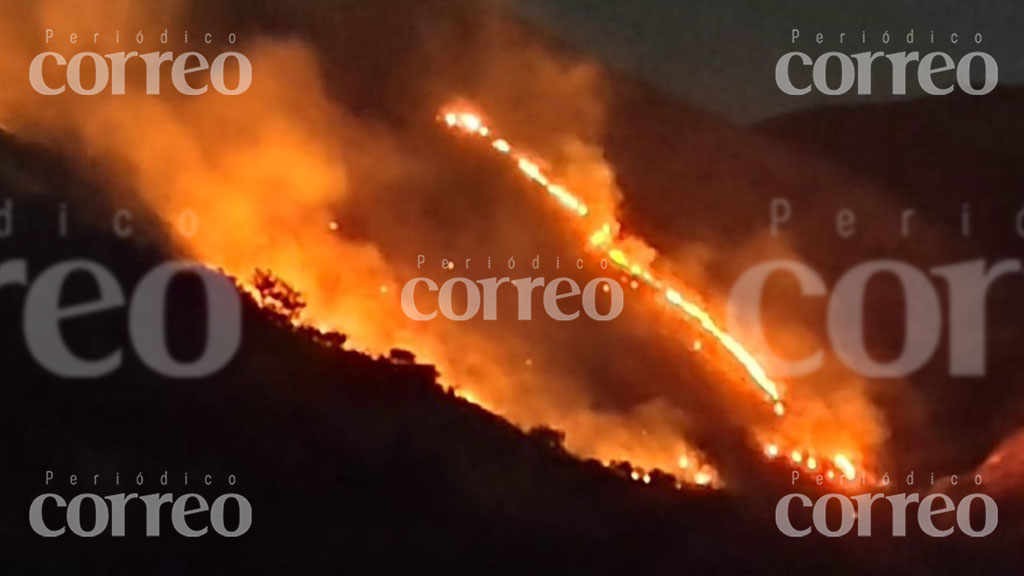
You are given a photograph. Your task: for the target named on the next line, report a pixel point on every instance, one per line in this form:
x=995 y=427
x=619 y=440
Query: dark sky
x=722 y=54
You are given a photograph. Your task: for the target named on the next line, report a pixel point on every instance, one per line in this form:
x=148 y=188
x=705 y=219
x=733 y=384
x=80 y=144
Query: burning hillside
x=340 y=205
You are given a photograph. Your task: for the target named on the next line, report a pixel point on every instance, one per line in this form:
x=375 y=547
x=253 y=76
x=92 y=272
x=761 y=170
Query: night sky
x=721 y=55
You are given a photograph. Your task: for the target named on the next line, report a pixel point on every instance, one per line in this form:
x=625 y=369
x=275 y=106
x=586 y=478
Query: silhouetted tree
x=278 y=296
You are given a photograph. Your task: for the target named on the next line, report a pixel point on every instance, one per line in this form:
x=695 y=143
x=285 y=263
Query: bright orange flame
x=845 y=466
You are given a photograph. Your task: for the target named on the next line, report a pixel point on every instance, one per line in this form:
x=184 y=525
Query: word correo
x=113 y=74
x=968 y=285
x=859 y=67
x=108 y=513
x=147 y=317
x=930 y=507
x=487 y=296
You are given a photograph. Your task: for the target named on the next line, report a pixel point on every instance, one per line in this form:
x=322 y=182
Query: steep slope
x=352 y=464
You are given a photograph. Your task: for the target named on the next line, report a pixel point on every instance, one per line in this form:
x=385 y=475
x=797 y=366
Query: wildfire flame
x=607 y=241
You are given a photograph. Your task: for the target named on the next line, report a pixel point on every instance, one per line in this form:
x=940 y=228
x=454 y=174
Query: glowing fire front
x=600 y=232
x=606 y=240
